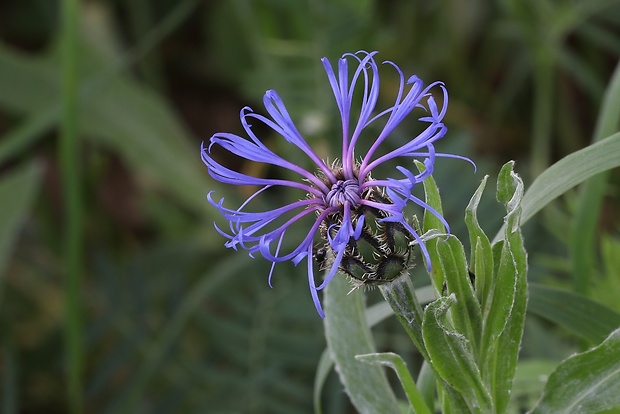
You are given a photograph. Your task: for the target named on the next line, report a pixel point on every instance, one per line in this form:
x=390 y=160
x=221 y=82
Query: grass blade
x=580 y=315
x=567 y=173
x=583 y=233
x=72 y=203
x=399 y=366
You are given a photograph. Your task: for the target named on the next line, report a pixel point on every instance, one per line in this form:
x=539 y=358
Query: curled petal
x=333 y=195
x=313 y=288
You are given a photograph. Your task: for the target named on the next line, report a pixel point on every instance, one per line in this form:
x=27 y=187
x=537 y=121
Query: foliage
x=168 y=321
x=470 y=338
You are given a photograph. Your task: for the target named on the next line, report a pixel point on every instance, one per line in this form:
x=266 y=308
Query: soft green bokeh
x=171 y=321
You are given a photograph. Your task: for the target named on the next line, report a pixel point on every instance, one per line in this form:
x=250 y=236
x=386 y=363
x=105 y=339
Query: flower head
x=341 y=199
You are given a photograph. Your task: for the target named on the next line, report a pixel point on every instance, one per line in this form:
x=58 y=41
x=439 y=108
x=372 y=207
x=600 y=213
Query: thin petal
x=284 y=126
x=313 y=288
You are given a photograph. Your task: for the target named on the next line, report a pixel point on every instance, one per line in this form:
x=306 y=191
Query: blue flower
x=333 y=196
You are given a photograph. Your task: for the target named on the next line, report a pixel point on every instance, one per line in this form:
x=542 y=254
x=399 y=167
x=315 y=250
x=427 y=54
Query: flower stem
x=400 y=295
x=72 y=198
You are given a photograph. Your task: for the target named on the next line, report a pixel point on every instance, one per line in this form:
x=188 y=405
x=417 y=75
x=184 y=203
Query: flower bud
x=381 y=254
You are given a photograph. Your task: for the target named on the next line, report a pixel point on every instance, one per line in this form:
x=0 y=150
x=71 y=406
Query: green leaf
x=17 y=191
x=400 y=295
x=402 y=298
x=154 y=354
x=506 y=186
x=427 y=384
x=586 y=221
x=395 y=362
x=530 y=378
x=431 y=222
x=585 y=383
x=503 y=322
x=26 y=132
x=348 y=335
x=137 y=123
x=466 y=314
x=567 y=173
x=374 y=314
x=432 y=198
x=323 y=369
x=577 y=313
x=481 y=258
x=116 y=111
x=452 y=355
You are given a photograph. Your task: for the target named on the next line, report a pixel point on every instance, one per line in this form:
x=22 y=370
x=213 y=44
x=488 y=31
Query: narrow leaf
x=322 y=372
x=395 y=362
x=586 y=221
x=567 y=173
x=481 y=257
x=577 y=313
x=432 y=198
x=427 y=384
x=348 y=335
x=17 y=191
x=374 y=314
x=466 y=314
x=431 y=222
x=504 y=320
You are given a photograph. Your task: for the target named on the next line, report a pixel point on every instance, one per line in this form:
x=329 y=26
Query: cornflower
x=346 y=206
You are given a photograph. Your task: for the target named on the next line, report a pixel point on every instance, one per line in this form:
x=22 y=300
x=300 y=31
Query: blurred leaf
x=586 y=220
x=399 y=366
x=427 y=384
x=348 y=335
x=8 y=383
x=26 y=133
x=452 y=355
x=503 y=323
x=577 y=313
x=116 y=110
x=529 y=381
x=158 y=348
x=17 y=191
x=29 y=84
x=585 y=383
x=323 y=369
x=606 y=287
x=137 y=123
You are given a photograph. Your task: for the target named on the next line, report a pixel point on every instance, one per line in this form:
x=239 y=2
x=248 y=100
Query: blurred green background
x=148 y=312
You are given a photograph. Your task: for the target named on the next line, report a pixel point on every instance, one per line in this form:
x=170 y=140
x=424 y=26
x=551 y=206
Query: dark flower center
x=343 y=191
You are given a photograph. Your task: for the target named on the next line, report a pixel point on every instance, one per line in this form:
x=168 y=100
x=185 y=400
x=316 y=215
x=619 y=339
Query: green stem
x=543 y=111
x=72 y=199
x=395 y=362
x=400 y=295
